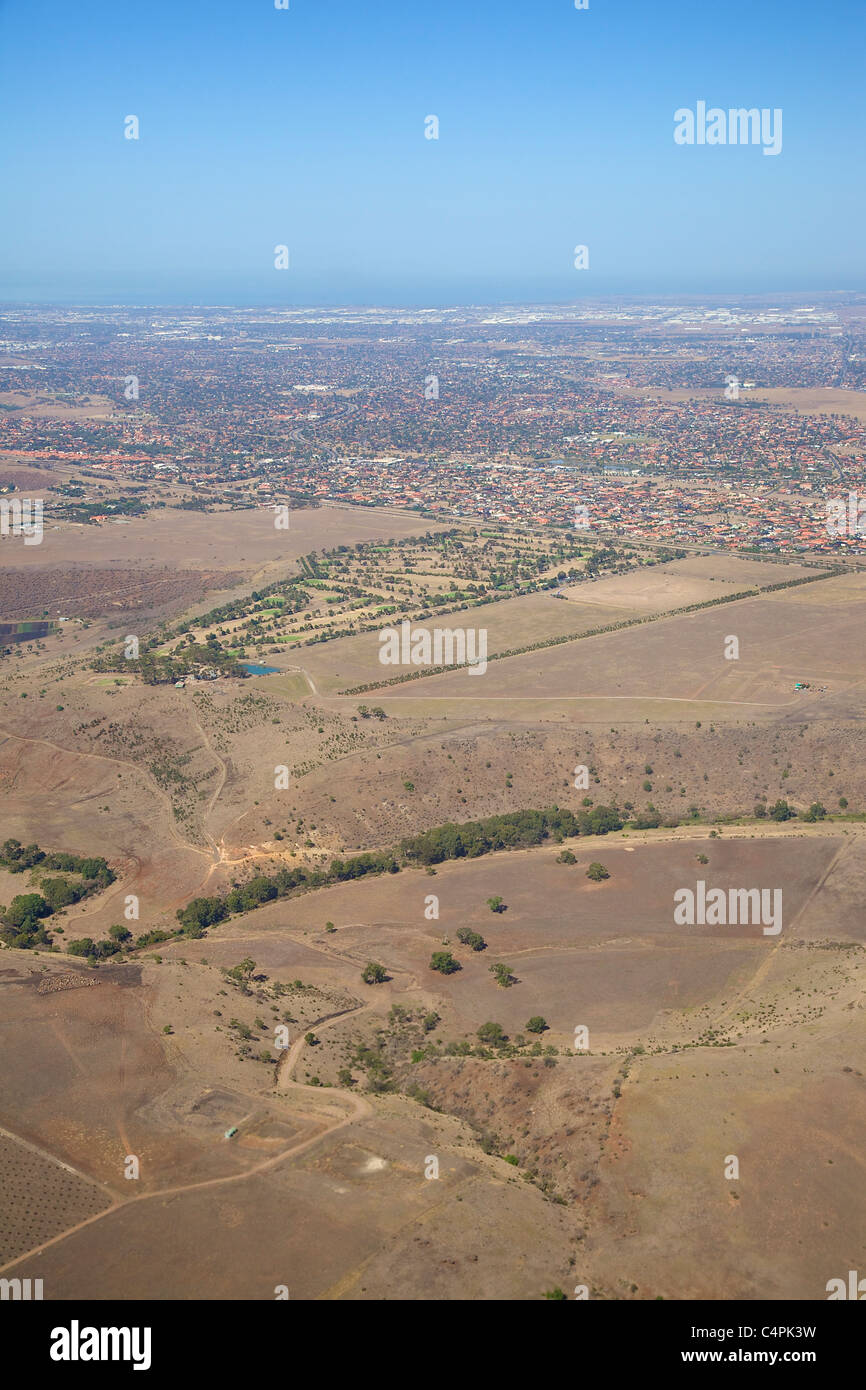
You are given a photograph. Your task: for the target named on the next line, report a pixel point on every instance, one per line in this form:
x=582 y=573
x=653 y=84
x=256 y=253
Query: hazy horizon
x=32 y=297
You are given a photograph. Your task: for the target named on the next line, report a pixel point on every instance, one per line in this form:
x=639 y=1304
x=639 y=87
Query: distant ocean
x=306 y=292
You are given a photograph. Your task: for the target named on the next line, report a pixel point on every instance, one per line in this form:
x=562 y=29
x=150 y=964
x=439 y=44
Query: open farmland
x=631 y=1130
x=533 y=619
x=822 y=400
x=807 y=634
x=56 y=406
x=605 y=954
x=355 y=661
x=93 y=593
x=678 y=583
x=219 y=540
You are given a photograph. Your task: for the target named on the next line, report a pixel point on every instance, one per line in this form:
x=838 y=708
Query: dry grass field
x=601 y=1166
x=41 y=1198
x=682 y=582
x=807 y=634
x=700 y=1041
x=247 y=541
x=352 y=661
x=50 y=406
x=804 y=400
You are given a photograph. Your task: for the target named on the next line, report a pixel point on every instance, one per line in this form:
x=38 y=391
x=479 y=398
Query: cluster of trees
x=60 y=892
x=779 y=812
x=602 y=557
x=444 y=962
x=493 y=1034
x=512 y=830
x=100 y=950
x=156 y=669
x=286 y=593
x=470 y=938
x=782 y=811
x=202 y=913
x=360 y=865
x=376 y=712
x=374 y=973
x=113 y=506
x=23 y=923
x=17 y=857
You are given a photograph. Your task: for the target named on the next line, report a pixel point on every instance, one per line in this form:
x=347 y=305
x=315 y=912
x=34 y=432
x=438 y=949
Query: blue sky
x=305 y=127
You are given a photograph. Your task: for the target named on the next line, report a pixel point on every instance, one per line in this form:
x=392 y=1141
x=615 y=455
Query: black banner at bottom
x=248 y=1338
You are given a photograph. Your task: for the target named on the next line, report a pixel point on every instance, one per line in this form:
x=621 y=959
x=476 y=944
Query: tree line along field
x=648 y=586
x=802 y=634
x=352 y=589
x=317 y=615
x=159 y=773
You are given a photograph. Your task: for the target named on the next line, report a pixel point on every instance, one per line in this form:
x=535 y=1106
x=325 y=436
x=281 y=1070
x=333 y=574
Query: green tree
x=85 y=946
x=374 y=973
x=200 y=914
x=243 y=972
x=59 y=892
x=597 y=872
x=26 y=909
x=444 y=962
x=536 y=1024
x=491 y=1034
x=467 y=937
